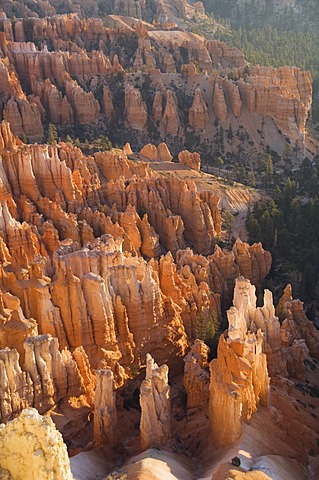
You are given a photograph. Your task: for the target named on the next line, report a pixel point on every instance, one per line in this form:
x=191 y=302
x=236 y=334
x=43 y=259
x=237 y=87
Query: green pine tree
x=52 y=134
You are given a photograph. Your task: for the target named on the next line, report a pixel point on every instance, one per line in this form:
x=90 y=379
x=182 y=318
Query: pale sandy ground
x=125 y=23
x=176 y=37
x=91 y=465
x=156 y=464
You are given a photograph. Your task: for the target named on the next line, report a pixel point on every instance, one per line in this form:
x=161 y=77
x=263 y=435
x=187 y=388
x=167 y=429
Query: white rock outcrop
x=31 y=448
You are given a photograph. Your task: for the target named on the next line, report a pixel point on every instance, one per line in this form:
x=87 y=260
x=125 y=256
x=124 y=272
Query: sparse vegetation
x=206 y=327
x=271 y=38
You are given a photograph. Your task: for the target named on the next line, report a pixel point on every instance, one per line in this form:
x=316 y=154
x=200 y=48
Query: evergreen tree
x=52 y=134
x=220 y=163
x=24 y=138
x=229 y=221
x=269 y=170
x=309 y=282
x=252 y=179
x=287 y=151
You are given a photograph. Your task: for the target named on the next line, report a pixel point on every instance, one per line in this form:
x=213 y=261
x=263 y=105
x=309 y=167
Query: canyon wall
x=81 y=81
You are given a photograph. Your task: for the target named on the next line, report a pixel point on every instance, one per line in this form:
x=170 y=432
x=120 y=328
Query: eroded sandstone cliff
x=106 y=258
x=155 y=422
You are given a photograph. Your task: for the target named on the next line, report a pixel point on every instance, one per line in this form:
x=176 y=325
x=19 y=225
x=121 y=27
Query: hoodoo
x=158 y=189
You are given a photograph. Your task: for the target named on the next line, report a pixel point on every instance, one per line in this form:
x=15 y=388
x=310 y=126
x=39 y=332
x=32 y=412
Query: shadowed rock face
x=105 y=415
x=196 y=375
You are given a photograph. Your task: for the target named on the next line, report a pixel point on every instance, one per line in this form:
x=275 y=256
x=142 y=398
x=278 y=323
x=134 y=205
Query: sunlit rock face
x=255 y=344
x=70 y=83
x=198 y=114
x=239 y=376
x=192 y=160
x=135 y=108
x=47 y=376
x=31 y=447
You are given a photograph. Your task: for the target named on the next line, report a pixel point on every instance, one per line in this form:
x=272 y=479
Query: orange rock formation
x=191 y=159
x=105 y=416
x=72 y=84
x=155 y=423
x=239 y=375
x=196 y=375
x=77 y=228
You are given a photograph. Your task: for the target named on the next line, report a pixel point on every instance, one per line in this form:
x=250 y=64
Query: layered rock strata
x=198 y=114
x=192 y=160
x=157 y=154
x=135 y=108
x=296 y=329
x=239 y=376
x=74 y=83
x=239 y=379
x=47 y=376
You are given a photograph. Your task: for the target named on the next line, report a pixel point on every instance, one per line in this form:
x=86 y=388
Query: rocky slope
x=83 y=304
x=160 y=12
x=110 y=268
x=266 y=426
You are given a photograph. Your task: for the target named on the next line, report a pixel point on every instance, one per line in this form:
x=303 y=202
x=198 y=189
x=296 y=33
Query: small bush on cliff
x=206 y=327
